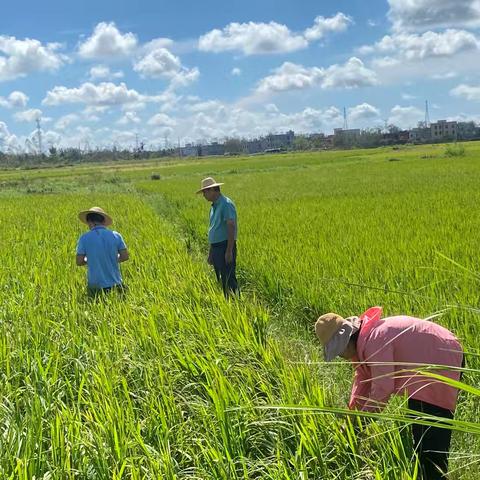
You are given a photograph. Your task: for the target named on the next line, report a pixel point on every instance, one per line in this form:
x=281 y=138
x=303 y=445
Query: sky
x=110 y=73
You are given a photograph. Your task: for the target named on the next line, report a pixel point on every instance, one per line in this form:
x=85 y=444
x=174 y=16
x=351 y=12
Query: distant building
x=467 y=131
x=346 y=137
x=443 y=130
x=396 y=137
x=420 y=134
x=282 y=141
x=255 y=146
x=190 y=150
x=213 y=148
x=350 y=133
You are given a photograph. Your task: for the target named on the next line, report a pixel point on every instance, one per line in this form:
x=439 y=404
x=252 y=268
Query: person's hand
x=228 y=257
x=210 y=259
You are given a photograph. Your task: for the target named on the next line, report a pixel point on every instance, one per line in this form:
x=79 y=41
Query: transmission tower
x=345 y=119
x=39 y=136
x=427 y=115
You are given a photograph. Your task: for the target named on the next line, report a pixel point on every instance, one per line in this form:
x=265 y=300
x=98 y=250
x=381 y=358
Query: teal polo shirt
x=222 y=209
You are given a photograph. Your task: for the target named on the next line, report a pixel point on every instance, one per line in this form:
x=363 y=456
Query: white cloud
x=408 y=96
x=291 y=76
x=92 y=113
x=51 y=138
x=352 y=74
x=15 y=100
x=469 y=92
x=103 y=94
x=65 y=121
x=162 y=120
x=265 y=38
x=322 y=26
x=184 y=77
x=444 y=76
x=103 y=72
x=128 y=118
x=228 y=120
x=18 y=58
x=414 y=15
x=413 y=47
x=161 y=63
x=28 y=116
x=207 y=106
x=252 y=39
x=365 y=111
x=8 y=141
x=405 y=117
x=158 y=63
x=157 y=43
x=271 y=108
x=107 y=42
x=236 y=72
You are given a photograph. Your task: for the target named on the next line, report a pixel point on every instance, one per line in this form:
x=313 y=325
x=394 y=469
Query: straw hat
x=334 y=333
x=83 y=215
x=208 y=182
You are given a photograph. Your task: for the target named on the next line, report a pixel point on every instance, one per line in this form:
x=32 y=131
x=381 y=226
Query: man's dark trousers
x=225 y=272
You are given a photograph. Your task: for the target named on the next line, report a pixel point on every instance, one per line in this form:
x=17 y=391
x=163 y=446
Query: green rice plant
x=173 y=381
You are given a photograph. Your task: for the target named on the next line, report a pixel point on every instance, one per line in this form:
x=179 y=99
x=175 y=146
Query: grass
x=175 y=382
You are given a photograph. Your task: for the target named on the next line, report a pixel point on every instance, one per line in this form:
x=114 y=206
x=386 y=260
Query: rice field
x=175 y=382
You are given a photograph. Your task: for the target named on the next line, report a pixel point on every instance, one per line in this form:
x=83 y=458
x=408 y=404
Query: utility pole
x=427 y=115
x=39 y=136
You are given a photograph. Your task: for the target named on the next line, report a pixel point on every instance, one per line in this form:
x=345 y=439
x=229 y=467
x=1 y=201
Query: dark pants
x=225 y=272
x=432 y=444
x=99 y=292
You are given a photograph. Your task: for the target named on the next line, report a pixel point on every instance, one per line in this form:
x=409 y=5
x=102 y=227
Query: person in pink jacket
x=386 y=352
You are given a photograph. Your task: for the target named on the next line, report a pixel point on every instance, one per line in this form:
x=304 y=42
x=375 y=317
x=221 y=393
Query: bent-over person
x=222 y=235
x=101 y=250
x=387 y=353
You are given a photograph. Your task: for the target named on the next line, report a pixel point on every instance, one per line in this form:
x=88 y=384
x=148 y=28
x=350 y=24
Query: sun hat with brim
x=208 y=182
x=334 y=332
x=107 y=219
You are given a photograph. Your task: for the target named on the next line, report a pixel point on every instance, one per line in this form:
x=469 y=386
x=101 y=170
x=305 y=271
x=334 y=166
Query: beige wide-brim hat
x=334 y=333
x=83 y=215
x=208 y=182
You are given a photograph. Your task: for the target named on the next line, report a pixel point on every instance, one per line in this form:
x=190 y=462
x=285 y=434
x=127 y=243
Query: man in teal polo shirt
x=222 y=235
x=101 y=250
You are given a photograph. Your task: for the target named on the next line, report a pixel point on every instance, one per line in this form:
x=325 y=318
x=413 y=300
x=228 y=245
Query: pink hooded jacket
x=387 y=347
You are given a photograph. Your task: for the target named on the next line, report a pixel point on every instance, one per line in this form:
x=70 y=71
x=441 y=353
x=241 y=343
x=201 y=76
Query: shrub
x=455 y=150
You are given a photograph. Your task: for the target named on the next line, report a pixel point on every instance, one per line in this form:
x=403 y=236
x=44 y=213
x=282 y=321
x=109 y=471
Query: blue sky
x=101 y=73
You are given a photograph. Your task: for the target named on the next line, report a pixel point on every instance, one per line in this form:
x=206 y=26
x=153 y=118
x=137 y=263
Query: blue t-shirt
x=101 y=247
x=222 y=209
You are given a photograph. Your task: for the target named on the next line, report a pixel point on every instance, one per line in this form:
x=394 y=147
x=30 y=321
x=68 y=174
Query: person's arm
x=380 y=358
x=122 y=248
x=81 y=259
x=123 y=255
x=360 y=388
x=230 y=240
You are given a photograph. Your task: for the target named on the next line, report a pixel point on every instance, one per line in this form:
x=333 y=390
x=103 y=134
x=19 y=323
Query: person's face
x=350 y=352
x=209 y=194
